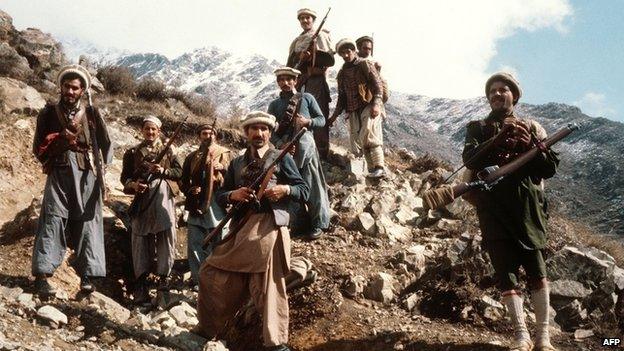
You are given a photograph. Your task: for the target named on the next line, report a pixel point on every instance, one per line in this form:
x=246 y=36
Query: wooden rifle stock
x=260 y=183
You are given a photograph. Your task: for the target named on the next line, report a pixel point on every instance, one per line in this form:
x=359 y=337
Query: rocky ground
x=391 y=275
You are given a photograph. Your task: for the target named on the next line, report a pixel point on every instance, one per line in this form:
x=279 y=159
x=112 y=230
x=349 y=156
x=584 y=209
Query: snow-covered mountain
x=589 y=185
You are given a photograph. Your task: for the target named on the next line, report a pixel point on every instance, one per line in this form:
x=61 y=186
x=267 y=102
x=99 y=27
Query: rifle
x=259 y=185
x=490 y=176
x=144 y=176
x=97 y=155
x=203 y=179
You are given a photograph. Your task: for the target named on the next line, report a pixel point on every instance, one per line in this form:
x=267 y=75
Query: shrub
x=200 y=105
x=117 y=80
x=150 y=89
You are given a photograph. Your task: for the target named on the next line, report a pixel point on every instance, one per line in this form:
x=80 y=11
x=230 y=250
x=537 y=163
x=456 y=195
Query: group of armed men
x=255 y=261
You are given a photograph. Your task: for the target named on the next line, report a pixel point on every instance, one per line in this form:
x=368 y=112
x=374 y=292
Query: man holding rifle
x=201 y=168
x=154 y=216
x=312 y=56
x=512 y=215
x=254 y=260
x=294 y=111
x=72 y=198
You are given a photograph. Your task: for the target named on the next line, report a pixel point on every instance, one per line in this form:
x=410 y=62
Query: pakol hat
x=287 y=71
x=254 y=117
x=514 y=85
x=306 y=11
x=152 y=119
x=343 y=42
x=359 y=40
x=82 y=73
x=204 y=126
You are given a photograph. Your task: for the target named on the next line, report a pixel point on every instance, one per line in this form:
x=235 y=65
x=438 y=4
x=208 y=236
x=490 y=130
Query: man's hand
x=277 y=192
x=138 y=187
x=156 y=169
x=292 y=150
x=301 y=122
x=305 y=56
x=519 y=131
x=243 y=194
x=375 y=110
x=195 y=190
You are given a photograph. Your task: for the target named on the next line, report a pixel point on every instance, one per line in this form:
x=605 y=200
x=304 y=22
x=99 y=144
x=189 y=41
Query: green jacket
x=515 y=209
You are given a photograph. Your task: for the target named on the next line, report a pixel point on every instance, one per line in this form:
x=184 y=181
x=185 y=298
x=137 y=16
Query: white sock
x=541 y=303
x=515 y=309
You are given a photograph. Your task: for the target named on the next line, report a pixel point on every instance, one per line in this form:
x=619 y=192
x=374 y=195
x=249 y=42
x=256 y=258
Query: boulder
x=491 y=309
x=405 y=215
x=215 y=346
x=411 y=302
x=184 y=314
x=366 y=223
x=51 y=314
x=7 y=31
x=111 y=308
x=380 y=288
x=574 y=264
x=354 y=286
x=571 y=289
x=388 y=229
x=10 y=294
x=40 y=49
x=18 y=97
x=414 y=257
x=571 y=316
x=338 y=155
x=581 y=334
x=26 y=300
x=13 y=65
x=186 y=341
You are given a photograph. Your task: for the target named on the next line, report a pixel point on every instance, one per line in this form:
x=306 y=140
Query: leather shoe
x=85 y=285
x=43 y=288
x=314 y=234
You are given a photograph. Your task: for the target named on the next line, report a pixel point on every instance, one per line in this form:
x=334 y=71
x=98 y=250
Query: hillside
x=392 y=275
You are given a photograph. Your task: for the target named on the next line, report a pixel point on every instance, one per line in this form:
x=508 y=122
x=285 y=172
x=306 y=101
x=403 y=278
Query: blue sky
x=567 y=51
x=583 y=66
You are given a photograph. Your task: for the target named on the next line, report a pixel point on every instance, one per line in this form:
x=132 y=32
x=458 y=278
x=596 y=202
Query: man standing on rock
x=360 y=93
x=512 y=216
x=314 y=78
x=256 y=260
x=153 y=218
x=315 y=219
x=72 y=201
x=196 y=185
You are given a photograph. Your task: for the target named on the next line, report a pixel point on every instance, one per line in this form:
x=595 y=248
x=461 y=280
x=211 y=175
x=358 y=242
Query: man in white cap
x=313 y=221
x=255 y=261
x=512 y=215
x=313 y=79
x=195 y=183
x=71 y=211
x=360 y=95
x=154 y=216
